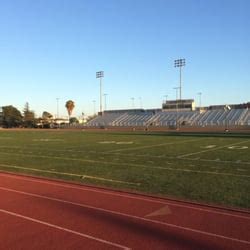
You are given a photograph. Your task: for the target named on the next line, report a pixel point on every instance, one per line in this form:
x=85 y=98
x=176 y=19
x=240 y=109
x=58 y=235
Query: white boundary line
x=124 y=182
x=213 y=149
x=114 y=193
x=69 y=174
x=64 y=229
x=131 y=216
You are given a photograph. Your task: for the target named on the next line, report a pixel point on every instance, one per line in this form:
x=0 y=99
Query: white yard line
x=177 y=158
x=136 y=155
x=73 y=159
x=152 y=146
x=212 y=149
x=64 y=229
x=123 y=195
x=69 y=174
x=130 y=216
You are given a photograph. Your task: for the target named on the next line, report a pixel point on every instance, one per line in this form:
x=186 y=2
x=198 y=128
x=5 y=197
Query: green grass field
x=207 y=168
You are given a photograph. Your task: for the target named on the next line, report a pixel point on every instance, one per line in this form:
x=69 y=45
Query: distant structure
x=1 y=116
x=181 y=105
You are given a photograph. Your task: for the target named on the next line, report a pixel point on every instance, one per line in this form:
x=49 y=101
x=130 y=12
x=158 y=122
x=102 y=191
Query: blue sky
x=52 y=49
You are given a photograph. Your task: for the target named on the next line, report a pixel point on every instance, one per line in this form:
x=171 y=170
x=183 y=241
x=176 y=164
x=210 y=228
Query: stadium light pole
x=100 y=74
x=227 y=108
x=140 y=102
x=133 y=101
x=179 y=63
x=57 y=106
x=105 y=101
x=199 y=93
x=177 y=125
x=166 y=97
x=94 y=101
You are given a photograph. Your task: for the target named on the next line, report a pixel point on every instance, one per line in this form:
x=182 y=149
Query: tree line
x=11 y=117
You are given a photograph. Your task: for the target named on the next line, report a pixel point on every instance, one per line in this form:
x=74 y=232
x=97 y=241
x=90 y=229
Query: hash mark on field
x=212 y=149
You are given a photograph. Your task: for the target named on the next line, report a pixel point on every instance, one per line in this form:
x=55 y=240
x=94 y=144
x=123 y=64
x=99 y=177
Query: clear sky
x=52 y=49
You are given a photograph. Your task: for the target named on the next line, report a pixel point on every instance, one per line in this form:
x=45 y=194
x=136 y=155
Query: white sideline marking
x=113 y=193
x=213 y=149
x=129 y=216
x=152 y=146
x=124 y=182
x=70 y=174
x=64 y=229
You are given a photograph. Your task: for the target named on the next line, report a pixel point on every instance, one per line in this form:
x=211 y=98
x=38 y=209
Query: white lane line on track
x=212 y=149
x=64 y=229
x=70 y=174
x=129 y=216
x=130 y=196
x=152 y=146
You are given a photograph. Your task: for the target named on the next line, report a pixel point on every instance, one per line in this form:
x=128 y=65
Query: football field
x=208 y=168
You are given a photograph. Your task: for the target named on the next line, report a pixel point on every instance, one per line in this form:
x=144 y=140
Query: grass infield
x=210 y=168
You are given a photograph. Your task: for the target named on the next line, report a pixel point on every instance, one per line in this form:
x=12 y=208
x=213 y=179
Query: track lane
x=129 y=229
x=20 y=232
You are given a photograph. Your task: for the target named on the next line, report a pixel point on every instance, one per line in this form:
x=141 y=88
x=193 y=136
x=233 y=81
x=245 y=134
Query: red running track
x=44 y=214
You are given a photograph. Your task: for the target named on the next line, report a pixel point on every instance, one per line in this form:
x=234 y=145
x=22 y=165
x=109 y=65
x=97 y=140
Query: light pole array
x=179 y=63
x=100 y=74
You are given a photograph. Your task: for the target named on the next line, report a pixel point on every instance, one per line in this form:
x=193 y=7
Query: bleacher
x=217 y=117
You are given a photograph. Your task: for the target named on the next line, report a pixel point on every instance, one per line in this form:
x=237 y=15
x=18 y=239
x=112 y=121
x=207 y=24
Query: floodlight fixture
x=99 y=74
x=179 y=63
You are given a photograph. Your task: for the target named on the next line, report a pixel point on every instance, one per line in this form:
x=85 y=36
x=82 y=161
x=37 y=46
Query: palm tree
x=70 y=106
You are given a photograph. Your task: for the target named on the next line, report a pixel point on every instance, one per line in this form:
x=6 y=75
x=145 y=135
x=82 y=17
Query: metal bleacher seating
x=218 y=117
